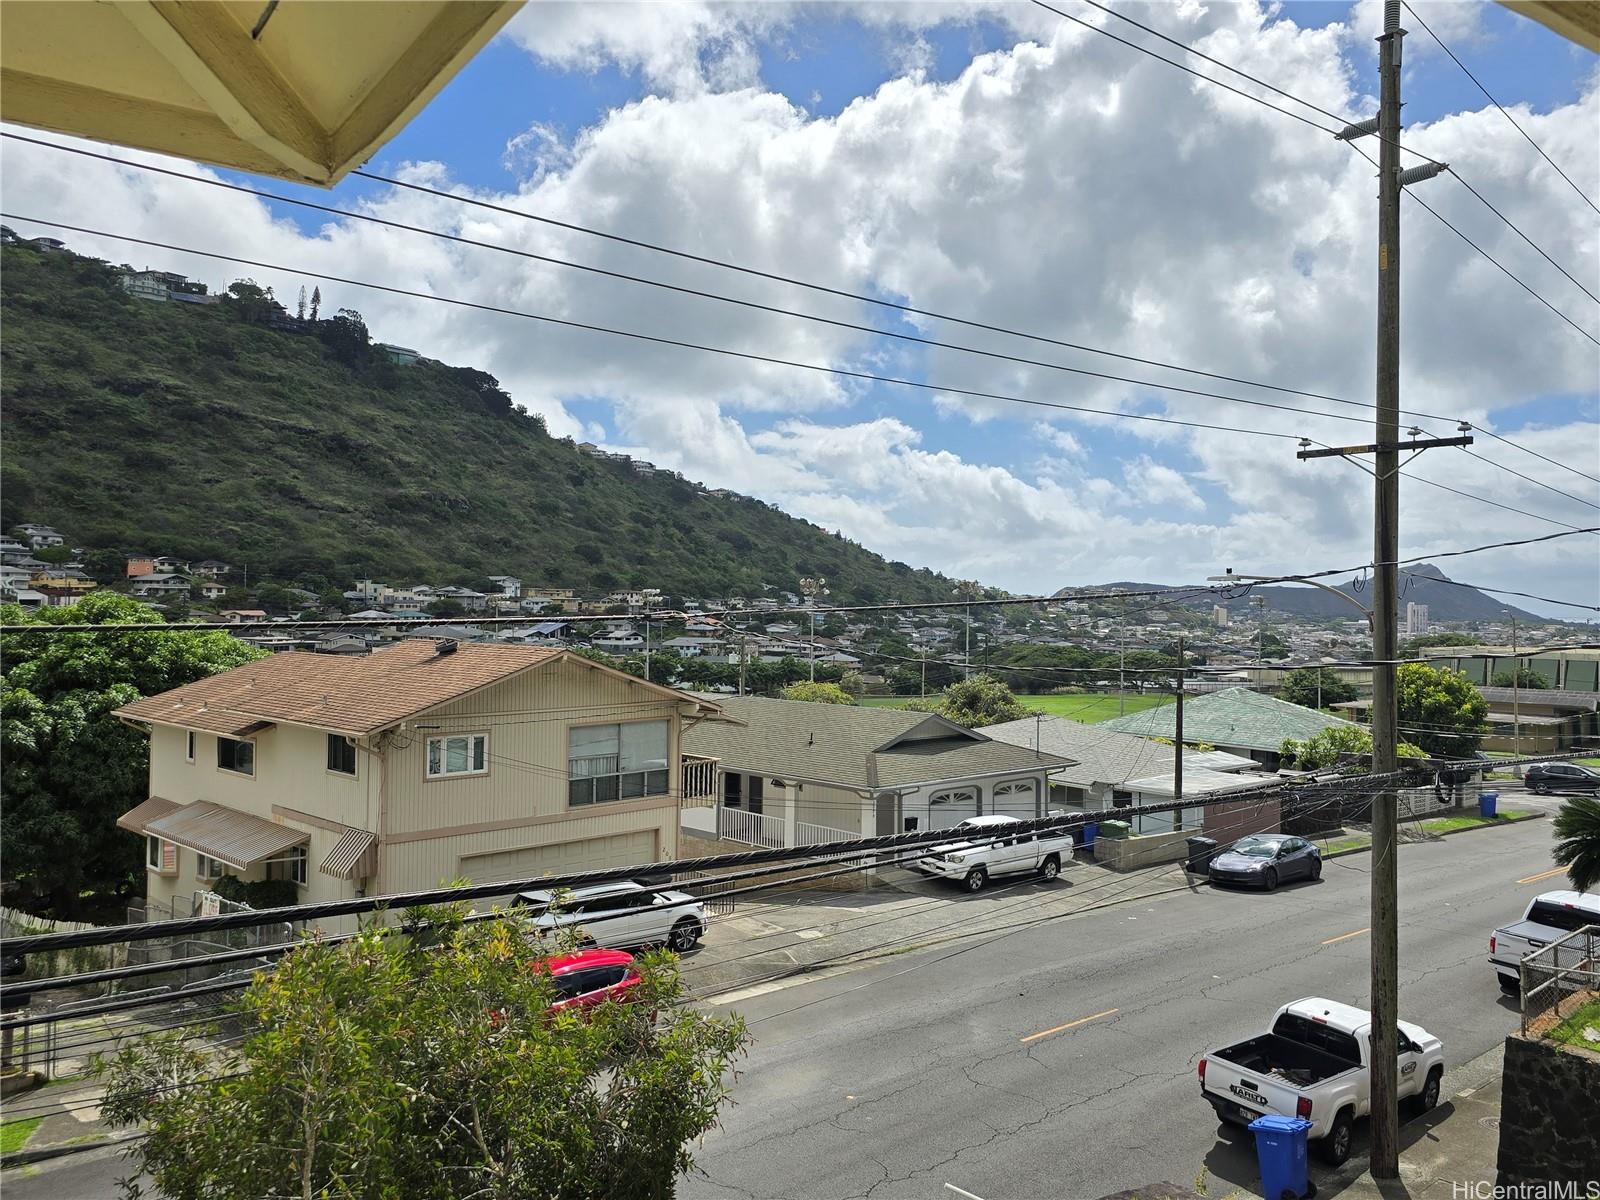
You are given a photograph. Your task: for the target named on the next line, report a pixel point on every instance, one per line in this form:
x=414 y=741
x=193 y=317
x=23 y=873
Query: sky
x=999 y=164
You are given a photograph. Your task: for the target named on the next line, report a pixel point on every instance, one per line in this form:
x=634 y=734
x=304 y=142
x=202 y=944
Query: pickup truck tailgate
x=1250 y=1093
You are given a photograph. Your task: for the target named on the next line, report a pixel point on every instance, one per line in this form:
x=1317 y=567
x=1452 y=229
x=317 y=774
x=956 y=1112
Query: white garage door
x=1018 y=798
x=589 y=854
x=952 y=807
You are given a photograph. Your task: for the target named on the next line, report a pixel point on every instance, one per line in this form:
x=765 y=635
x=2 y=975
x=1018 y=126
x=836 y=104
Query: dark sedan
x=1265 y=860
x=1561 y=777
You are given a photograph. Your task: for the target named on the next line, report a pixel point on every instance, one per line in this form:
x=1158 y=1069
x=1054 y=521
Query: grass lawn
x=1588 y=762
x=14 y=1135
x=1472 y=820
x=1570 y=1031
x=1087 y=709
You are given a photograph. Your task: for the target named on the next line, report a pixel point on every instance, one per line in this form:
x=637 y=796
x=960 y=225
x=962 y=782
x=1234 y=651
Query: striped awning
x=239 y=839
x=355 y=854
x=139 y=816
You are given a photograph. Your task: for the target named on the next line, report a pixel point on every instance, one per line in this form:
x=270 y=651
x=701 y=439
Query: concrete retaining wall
x=1549 y=1113
x=1141 y=850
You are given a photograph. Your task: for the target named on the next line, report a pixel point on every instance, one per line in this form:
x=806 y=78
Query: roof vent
x=447 y=646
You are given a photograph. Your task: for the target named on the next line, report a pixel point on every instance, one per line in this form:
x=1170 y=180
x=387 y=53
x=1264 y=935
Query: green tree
x=346 y=337
x=70 y=767
x=1522 y=677
x=817 y=693
x=1440 y=710
x=1577 y=829
x=981 y=700
x=424 y=1062
x=250 y=302
x=1333 y=744
x=445 y=606
x=1301 y=687
x=1413 y=647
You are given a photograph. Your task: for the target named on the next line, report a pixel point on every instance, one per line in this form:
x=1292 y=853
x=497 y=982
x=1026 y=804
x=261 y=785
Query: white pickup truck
x=1313 y=1063
x=1547 y=919
x=988 y=851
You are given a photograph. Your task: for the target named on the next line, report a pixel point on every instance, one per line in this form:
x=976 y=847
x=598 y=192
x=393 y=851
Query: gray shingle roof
x=851 y=746
x=1101 y=755
x=1236 y=717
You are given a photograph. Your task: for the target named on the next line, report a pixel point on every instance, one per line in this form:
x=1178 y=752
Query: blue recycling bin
x=1486 y=804
x=1090 y=832
x=1281 y=1153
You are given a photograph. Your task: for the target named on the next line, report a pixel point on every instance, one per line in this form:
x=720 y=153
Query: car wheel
x=1429 y=1097
x=1269 y=880
x=1051 y=867
x=1510 y=985
x=1335 y=1148
x=976 y=879
x=684 y=935
x=1316 y=869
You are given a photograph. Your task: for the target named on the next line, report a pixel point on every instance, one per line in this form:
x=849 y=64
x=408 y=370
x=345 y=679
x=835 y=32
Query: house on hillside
x=170 y=565
x=492 y=762
x=401 y=356
x=160 y=584
x=213 y=589
x=211 y=568
x=509 y=585
x=1237 y=720
x=38 y=536
x=793 y=773
x=619 y=639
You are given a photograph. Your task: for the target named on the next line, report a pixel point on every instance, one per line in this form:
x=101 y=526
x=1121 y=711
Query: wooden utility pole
x=1386 y=449
x=1177 y=742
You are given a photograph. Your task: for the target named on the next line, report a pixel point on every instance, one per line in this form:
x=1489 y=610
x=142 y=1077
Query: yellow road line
x=1351 y=934
x=1543 y=875
x=1070 y=1025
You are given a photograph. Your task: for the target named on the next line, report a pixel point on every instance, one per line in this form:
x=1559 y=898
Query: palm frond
x=1577 y=829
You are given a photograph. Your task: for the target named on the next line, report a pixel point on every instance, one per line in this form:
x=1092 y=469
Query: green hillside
x=200 y=432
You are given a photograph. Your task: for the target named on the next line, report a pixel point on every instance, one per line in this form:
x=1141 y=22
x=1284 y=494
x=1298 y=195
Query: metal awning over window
x=354 y=855
x=140 y=816
x=236 y=838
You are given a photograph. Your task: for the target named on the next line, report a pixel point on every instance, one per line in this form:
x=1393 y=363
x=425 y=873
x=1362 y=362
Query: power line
x=1554 y=462
x=1530 y=479
x=633 y=335
x=1582 y=195
x=772 y=308
x=1512 y=225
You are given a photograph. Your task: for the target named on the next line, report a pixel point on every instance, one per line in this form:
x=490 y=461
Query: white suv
x=622 y=914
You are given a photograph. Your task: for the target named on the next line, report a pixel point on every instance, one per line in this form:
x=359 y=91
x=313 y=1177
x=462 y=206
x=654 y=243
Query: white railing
x=753 y=829
x=807 y=834
x=699 y=779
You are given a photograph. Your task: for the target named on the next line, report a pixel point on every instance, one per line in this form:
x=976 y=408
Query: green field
x=14 y=1135
x=1088 y=709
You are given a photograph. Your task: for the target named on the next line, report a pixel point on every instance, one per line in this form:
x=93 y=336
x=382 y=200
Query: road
x=1059 y=1060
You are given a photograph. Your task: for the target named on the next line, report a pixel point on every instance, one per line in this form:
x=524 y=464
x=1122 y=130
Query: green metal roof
x=1235 y=717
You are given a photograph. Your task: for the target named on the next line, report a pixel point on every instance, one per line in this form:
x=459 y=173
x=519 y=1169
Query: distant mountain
x=1420 y=584
x=233 y=431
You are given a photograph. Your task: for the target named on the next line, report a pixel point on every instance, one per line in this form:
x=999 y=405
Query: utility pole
x=1122 y=658
x=1385 y=960
x=741 y=660
x=647 y=649
x=1177 y=743
x=1516 y=694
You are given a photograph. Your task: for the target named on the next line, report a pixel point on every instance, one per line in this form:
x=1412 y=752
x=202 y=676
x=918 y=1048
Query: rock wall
x=1549 y=1113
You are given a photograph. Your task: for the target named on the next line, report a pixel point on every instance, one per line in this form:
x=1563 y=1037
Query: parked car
x=1546 y=919
x=1265 y=860
x=1561 y=777
x=589 y=978
x=1313 y=1063
x=622 y=914
x=989 y=851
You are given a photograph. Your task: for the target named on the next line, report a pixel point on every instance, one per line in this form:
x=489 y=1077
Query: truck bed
x=1287 y=1061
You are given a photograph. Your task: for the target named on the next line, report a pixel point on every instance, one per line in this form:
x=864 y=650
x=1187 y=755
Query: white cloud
x=1066 y=187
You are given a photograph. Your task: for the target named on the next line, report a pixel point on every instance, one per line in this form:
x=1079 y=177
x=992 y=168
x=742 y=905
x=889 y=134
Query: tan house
x=421 y=763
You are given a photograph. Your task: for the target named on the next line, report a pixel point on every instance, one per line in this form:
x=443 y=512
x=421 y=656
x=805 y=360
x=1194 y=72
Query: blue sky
x=1060 y=184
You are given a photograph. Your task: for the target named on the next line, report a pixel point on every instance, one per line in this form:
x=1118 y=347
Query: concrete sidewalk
x=69 y=1120
x=803 y=931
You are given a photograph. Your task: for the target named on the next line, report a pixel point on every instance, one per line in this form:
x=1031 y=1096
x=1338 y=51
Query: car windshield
x=1253 y=848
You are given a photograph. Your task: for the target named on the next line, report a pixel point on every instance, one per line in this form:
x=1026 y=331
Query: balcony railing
x=698 y=779
x=753 y=829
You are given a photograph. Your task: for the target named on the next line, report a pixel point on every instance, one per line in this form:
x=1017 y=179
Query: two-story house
x=420 y=763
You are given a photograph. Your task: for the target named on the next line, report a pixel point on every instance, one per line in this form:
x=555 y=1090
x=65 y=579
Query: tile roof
x=1236 y=717
x=851 y=746
x=351 y=695
x=1101 y=755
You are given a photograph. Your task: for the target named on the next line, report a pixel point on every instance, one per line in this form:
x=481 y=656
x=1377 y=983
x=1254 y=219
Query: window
x=617 y=762
x=461 y=754
x=239 y=757
x=159 y=855
x=341 y=755
x=293 y=866
x=209 y=868
x=189 y=749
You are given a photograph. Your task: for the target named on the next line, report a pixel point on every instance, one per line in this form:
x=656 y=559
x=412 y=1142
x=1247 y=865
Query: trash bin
x=1486 y=804
x=1114 y=829
x=1090 y=832
x=1281 y=1154
x=1201 y=851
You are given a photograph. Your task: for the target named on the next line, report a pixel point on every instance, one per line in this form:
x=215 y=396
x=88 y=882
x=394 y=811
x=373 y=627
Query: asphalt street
x=1058 y=1060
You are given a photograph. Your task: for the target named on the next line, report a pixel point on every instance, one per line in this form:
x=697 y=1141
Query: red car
x=589 y=978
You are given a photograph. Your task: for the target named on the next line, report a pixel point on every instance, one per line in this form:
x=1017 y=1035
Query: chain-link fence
x=1557 y=978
